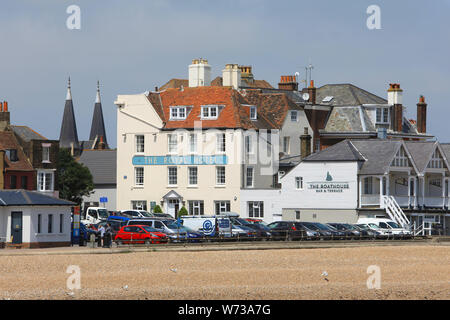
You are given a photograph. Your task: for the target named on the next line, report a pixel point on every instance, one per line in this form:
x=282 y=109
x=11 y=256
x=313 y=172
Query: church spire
x=98 y=125
x=69 y=92
x=68 y=137
x=97 y=98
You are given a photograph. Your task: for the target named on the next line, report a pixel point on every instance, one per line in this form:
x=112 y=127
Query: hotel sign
x=180 y=160
x=329 y=186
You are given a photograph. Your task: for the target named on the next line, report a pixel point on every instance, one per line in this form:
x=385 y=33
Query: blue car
x=176 y=232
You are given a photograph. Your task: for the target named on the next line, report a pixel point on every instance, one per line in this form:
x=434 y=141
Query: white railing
x=370 y=200
x=395 y=212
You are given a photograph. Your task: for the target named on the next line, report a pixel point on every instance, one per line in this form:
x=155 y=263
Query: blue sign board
x=103 y=199
x=180 y=160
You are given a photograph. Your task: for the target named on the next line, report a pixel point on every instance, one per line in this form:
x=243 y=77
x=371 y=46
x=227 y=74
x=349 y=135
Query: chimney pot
x=1 y=106
x=5 y=106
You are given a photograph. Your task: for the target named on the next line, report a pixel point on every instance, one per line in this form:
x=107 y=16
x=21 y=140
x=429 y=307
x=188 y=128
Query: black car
x=286 y=230
x=262 y=231
x=326 y=232
x=350 y=231
x=310 y=234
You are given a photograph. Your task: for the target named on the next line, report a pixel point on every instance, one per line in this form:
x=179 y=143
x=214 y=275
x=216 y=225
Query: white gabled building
x=404 y=181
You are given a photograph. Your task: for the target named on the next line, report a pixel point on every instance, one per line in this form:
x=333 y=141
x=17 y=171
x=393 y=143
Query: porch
x=428 y=191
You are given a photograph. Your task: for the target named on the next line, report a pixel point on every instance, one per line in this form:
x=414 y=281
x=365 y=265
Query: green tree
x=74 y=179
x=157 y=209
x=183 y=212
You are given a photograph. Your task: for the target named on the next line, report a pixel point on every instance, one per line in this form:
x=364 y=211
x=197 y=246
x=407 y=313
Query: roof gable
x=30 y=198
x=342 y=151
x=347 y=95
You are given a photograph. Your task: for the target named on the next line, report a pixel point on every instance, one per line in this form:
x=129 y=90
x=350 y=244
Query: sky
x=133 y=46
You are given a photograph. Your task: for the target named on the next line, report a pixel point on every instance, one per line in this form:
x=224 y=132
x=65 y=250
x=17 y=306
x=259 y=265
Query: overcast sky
x=132 y=46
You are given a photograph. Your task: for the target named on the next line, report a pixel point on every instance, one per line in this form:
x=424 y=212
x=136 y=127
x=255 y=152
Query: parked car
x=262 y=231
x=132 y=214
x=139 y=234
x=380 y=233
x=176 y=232
x=162 y=215
x=310 y=234
x=367 y=232
x=286 y=230
x=326 y=232
x=389 y=226
x=350 y=231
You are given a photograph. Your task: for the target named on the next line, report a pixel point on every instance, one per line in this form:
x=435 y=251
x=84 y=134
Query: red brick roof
x=8 y=141
x=272 y=108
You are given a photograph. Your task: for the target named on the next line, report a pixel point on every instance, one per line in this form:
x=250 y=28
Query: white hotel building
x=202 y=146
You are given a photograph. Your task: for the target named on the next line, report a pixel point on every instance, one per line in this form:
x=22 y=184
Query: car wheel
x=119 y=242
x=147 y=242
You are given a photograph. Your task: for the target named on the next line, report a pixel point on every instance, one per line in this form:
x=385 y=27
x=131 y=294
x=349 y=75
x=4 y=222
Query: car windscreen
x=145 y=213
x=324 y=227
x=149 y=229
x=393 y=225
x=176 y=226
x=374 y=226
x=141 y=222
x=103 y=213
x=338 y=226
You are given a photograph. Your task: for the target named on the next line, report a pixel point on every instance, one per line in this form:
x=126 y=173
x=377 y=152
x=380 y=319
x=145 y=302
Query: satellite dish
x=305 y=96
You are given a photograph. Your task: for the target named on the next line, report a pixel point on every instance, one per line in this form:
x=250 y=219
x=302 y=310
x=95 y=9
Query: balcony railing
x=370 y=200
x=436 y=202
x=373 y=200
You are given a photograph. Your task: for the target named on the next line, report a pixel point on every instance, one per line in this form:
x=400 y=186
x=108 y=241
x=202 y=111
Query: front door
x=173 y=207
x=16 y=227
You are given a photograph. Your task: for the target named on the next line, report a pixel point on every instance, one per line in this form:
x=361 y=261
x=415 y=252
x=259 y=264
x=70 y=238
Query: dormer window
x=383 y=115
x=436 y=161
x=401 y=159
x=178 y=113
x=210 y=112
x=253 y=113
x=12 y=155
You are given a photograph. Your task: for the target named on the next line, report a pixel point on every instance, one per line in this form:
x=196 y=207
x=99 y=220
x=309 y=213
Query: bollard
x=92 y=240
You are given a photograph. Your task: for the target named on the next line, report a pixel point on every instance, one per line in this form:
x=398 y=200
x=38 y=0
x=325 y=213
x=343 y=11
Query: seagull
x=71 y=293
x=125 y=287
x=325 y=275
x=173 y=269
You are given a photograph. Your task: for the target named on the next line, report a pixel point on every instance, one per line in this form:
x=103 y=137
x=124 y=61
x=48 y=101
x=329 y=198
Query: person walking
x=101 y=231
x=108 y=236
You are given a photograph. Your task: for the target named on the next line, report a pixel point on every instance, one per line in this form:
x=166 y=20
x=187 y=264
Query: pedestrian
x=108 y=235
x=101 y=233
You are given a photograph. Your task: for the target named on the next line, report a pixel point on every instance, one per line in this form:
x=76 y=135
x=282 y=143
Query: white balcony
x=370 y=200
x=435 y=202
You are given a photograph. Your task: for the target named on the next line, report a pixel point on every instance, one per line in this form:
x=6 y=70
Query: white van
x=386 y=226
x=94 y=215
x=207 y=225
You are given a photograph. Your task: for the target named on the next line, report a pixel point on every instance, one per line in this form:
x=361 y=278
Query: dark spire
x=68 y=138
x=98 y=125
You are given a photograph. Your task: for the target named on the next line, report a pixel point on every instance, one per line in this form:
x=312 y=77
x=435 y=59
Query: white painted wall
x=30 y=223
x=316 y=172
x=110 y=193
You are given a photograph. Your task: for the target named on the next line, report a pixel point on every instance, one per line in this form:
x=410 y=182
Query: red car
x=139 y=234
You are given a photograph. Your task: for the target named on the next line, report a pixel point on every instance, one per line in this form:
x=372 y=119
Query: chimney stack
x=2 y=169
x=199 y=73
x=395 y=99
x=422 y=115
x=4 y=115
x=312 y=92
x=231 y=76
x=305 y=144
x=288 y=83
